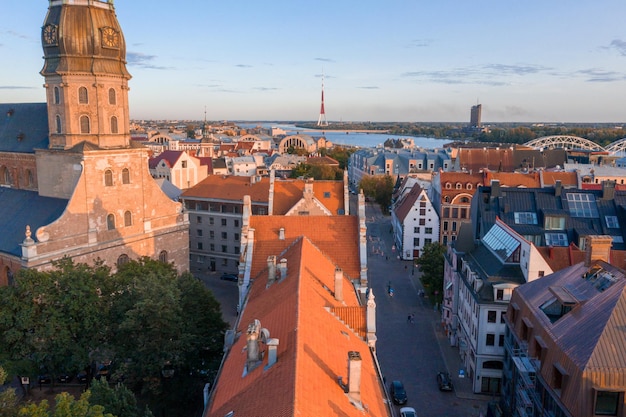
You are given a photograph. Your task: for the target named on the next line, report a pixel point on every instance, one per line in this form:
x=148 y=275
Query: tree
x=117 y=400
x=66 y=406
x=53 y=318
x=379 y=187
x=8 y=398
x=431 y=263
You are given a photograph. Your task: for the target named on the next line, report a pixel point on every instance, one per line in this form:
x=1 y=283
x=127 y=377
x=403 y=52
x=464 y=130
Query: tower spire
x=321 y=121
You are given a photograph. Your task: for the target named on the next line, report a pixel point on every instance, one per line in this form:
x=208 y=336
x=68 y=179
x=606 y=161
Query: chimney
x=282 y=267
x=608 y=190
x=338 y=284
x=272 y=348
x=252 y=343
x=495 y=188
x=558 y=188
x=281 y=233
x=308 y=190
x=597 y=247
x=271 y=269
x=354 y=375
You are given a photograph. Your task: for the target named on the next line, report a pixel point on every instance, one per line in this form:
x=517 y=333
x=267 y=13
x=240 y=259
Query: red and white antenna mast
x=321 y=121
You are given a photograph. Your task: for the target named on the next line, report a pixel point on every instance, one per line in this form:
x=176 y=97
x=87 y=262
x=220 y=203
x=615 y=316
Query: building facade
x=90 y=195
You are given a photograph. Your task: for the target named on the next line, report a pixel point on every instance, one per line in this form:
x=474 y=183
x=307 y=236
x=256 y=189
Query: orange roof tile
x=312 y=351
x=229 y=187
x=568 y=179
x=289 y=191
x=514 y=179
x=335 y=236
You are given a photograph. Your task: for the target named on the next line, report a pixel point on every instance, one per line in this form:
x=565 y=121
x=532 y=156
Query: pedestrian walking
x=408 y=319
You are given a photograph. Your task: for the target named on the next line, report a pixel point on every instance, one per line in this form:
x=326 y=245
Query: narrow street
x=411 y=352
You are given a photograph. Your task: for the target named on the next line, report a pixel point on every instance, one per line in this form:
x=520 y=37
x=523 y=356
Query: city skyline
x=397 y=61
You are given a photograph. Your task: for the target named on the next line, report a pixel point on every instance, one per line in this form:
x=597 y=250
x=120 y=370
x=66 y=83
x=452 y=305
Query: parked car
x=44 y=379
x=82 y=376
x=229 y=277
x=398 y=393
x=65 y=378
x=408 y=412
x=444 y=381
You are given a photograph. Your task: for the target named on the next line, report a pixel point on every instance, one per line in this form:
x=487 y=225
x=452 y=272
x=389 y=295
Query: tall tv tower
x=321 y=121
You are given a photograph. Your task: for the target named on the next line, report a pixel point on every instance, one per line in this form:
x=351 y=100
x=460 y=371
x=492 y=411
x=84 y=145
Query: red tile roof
x=288 y=192
x=406 y=204
x=170 y=158
x=313 y=345
x=335 y=236
x=568 y=179
x=228 y=187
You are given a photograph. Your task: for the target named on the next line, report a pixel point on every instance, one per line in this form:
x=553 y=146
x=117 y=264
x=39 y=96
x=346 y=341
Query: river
x=341 y=137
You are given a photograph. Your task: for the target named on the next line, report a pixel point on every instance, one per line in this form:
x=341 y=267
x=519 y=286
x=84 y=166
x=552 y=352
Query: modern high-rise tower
x=475 y=115
x=321 y=121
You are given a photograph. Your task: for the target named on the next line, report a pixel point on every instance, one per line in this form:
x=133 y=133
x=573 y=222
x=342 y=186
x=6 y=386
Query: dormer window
x=525 y=218
x=554 y=223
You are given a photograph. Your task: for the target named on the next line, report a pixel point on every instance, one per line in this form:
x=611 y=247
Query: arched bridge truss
x=574 y=142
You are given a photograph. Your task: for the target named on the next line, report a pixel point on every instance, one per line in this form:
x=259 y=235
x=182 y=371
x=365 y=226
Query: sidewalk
x=451 y=357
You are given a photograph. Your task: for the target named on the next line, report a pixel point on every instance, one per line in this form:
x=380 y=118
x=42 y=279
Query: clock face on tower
x=110 y=37
x=50 y=35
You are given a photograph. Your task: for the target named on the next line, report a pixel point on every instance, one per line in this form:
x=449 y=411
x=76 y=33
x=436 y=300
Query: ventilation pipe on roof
x=282 y=267
x=252 y=343
x=272 y=351
x=338 y=284
x=271 y=269
x=281 y=233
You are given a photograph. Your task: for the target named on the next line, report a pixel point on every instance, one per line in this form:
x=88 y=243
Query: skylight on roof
x=525 y=217
x=611 y=222
x=600 y=278
x=582 y=205
x=501 y=242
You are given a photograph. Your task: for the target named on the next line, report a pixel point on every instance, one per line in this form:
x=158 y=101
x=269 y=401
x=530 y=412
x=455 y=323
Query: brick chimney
x=282 y=267
x=338 y=284
x=354 y=376
x=495 y=188
x=271 y=269
x=608 y=190
x=558 y=188
x=597 y=247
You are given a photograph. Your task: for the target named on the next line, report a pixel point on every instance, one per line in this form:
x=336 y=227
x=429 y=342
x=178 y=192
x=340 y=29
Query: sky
x=391 y=60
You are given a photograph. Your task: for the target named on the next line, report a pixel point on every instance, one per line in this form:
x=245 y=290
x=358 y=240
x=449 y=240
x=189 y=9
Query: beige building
x=86 y=191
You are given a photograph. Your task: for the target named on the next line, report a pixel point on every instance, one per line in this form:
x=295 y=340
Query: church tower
x=115 y=210
x=86 y=76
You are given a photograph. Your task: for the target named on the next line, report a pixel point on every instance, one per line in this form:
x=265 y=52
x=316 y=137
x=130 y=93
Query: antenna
x=321 y=121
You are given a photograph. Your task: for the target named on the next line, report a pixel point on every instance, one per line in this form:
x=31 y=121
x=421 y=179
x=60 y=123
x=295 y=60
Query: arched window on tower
x=125 y=176
x=108 y=178
x=57 y=95
x=111 y=221
x=113 y=124
x=83 y=95
x=112 y=96
x=58 y=126
x=128 y=219
x=84 y=124
x=163 y=256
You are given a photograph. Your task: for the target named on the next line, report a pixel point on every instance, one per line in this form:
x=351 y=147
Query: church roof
x=23 y=127
x=27 y=208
